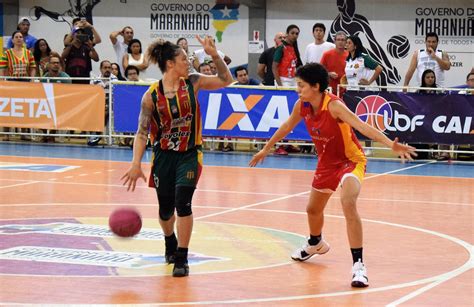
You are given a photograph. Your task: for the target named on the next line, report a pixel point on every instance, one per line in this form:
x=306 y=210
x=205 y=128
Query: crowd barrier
x=237 y=112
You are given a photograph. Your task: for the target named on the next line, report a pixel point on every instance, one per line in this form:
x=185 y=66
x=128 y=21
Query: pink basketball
x=125 y=222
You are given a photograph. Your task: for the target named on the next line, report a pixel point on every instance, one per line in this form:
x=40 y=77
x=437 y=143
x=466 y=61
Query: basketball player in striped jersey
x=341 y=161
x=170 y=111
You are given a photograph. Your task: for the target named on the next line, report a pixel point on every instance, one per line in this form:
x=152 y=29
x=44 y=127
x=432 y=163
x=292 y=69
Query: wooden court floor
x=55 y=247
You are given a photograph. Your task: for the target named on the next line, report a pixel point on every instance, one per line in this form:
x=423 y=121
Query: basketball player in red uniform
x=170 y=111
x=341 y=161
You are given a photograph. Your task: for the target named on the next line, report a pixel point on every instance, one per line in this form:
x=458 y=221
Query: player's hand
x=208 y=45
x=131 y=176
x=406 y=152
x=258 y=157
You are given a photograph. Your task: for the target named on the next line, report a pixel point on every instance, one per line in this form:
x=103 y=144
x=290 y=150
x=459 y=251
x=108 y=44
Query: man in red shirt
x=334 y=61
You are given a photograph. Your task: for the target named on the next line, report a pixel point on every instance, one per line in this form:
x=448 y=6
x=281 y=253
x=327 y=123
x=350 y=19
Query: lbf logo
x=377 y=112
x=228 y=110
x=371 y=110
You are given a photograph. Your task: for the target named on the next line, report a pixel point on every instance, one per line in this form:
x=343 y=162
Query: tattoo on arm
x=144 y=119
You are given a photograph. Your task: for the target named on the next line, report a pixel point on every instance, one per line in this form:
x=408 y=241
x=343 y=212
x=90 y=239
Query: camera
x=82 y=37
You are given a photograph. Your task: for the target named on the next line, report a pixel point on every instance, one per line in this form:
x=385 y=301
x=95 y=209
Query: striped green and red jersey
x=334 y=139
x=176 y=122
x=17 y=67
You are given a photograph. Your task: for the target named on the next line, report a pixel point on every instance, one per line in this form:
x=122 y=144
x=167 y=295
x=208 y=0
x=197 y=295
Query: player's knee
x=184 y=197
x=166 y=210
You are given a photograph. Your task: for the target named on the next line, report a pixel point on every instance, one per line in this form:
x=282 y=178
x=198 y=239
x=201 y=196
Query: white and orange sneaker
x=308 y=251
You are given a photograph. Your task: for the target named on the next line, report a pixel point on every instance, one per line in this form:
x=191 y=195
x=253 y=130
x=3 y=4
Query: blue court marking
x=296 y=162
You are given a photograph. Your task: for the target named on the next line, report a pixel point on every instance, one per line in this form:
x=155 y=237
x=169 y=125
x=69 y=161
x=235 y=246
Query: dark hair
x=239 y=68
x=161 y=51
x=74 y=20
x=133 y=41
x=119 y=74
x=297 y=51
x=314 y=73
x=37 y=51
x=467 y=77
x=319 y=25
x=423 y=83
x=181 y=39
x=103 y=62
x=202 y=65
x=359 y=48
x=131 y=67
x=14 y=33
x=432 y=34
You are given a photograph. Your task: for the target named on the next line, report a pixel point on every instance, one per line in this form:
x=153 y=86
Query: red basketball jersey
x=335 y=140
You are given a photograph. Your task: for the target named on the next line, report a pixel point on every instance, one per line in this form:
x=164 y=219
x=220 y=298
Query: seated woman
x=428 y=81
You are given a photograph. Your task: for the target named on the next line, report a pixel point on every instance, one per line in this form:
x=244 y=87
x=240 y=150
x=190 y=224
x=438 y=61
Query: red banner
x=52 y=106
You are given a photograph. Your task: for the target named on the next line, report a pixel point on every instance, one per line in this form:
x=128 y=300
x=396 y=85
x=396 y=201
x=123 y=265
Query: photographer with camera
x=78 y=55
x=81 y=22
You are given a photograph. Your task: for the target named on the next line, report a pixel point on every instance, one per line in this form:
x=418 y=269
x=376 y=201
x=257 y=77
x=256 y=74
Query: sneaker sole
x=309 y=256
x=359 y=284
x=180 y=273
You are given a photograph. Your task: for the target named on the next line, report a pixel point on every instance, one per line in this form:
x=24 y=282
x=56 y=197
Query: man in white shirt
x=314 y=51
x=429 y=58
x=120 y=47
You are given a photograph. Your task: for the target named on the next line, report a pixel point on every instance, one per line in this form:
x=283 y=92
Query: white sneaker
x=308 y=251
x=359 y=275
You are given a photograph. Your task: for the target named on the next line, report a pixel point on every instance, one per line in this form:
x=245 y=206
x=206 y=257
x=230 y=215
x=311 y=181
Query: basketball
x=125 y=222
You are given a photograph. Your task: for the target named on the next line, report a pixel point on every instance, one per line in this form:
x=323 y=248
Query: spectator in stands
x=265 y=61
x=183 y=43
x=17 y=61
x=360 y=69
x=242 y=76
x=469 y=90
x=428 y=79
x=132 y=73
x=41 y=53
x=24 y=27
x=121 y=46
x=103 y=80
x=287 y=58
x=135 y=56
x=55 y=71
x=81 y=23
x=116 y=72
x=205 y=69
x=200 y=56
x=314 y=51
x=213 y=67
x=429 y=58
x=78 y=56
x=334 y=60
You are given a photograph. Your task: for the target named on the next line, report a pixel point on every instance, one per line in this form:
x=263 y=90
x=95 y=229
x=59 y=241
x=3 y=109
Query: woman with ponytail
x=171 y=113
x=286 y=58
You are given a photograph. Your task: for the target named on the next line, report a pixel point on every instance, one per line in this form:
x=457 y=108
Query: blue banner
x=229 y=112
x=416 y=118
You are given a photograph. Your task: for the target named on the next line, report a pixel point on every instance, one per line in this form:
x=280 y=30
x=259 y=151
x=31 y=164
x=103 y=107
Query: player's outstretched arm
x=340 y=110
x=283 y=131
x=139 y=144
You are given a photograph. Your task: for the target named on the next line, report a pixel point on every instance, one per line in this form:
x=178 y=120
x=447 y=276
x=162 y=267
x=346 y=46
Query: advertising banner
x=416 y=118
x=240 y=112
x=52 y=106
x=229 y=112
